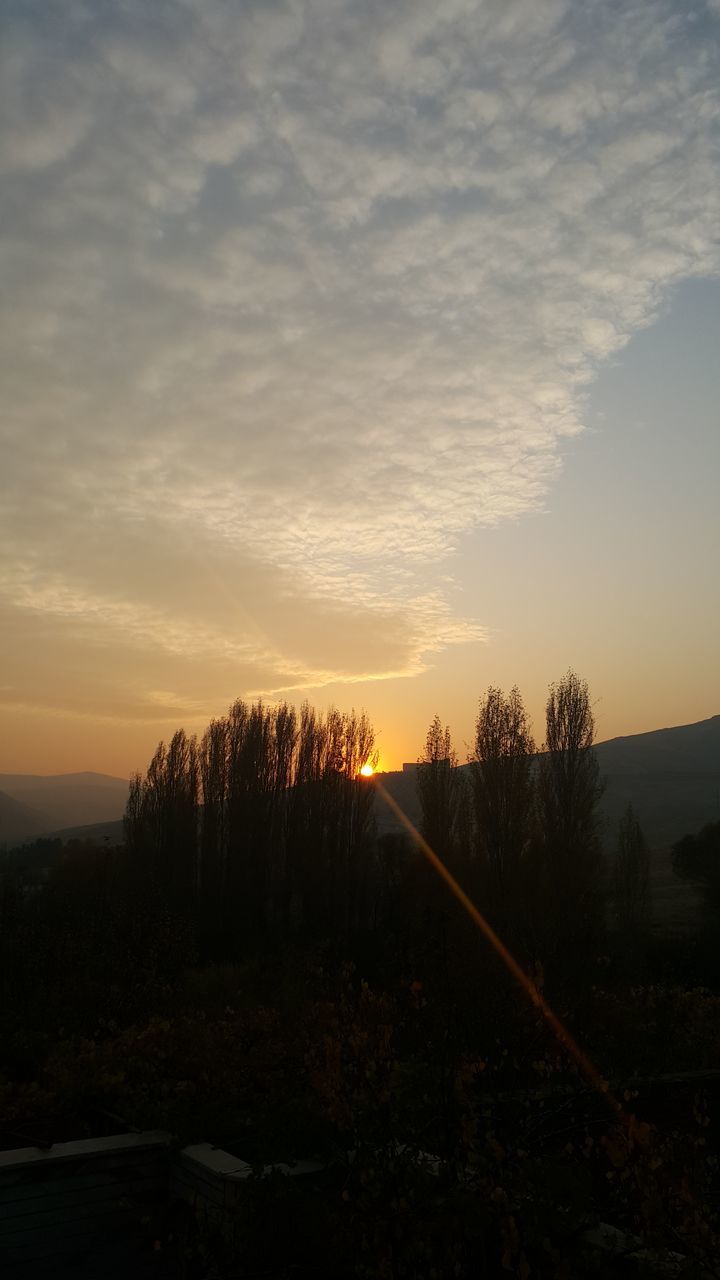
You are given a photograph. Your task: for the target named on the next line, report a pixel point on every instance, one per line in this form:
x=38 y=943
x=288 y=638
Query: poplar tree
x=438 y=786
x=568 y=791
x=631 y=875
x=503 y=796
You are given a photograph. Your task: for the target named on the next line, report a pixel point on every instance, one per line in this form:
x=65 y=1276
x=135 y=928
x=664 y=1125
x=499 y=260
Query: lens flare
x=563 y=1035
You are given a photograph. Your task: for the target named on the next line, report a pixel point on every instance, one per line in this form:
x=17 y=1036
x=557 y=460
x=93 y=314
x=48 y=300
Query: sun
x=367 y=771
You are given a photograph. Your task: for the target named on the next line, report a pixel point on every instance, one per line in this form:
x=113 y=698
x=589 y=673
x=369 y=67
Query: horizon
x=381 y=768
x=361 y=356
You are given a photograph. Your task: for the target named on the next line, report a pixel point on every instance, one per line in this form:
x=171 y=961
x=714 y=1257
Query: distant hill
x=54 y=802
x=685 y=748
x=671 y=777
x=19 y=821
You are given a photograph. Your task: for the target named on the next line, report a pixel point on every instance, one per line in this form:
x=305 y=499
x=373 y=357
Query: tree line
x=520 y=827
x=264 y=826
x=261 y=825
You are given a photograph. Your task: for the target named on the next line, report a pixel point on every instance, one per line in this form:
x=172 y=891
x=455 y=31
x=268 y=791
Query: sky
x=358 y=352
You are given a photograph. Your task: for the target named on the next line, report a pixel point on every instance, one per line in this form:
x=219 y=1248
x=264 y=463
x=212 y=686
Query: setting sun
x=367 y=771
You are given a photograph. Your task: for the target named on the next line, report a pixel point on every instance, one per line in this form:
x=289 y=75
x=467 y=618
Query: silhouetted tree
x=330 y=820
x=392 y=885
x=161 y=823
x=284 y=742
x=697 y=857
x=250 y=826
x=631 y=876
x=503 y=799
x=266 y=821
x=136 y=821
x=212 y=763
x=358 y=820
x=568 y=791
x=438 y=785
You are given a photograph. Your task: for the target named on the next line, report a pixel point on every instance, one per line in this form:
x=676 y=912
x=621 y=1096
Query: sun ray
x=561 y=1032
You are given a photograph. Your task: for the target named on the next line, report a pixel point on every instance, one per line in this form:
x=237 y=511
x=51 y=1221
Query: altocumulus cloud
x=297 y=294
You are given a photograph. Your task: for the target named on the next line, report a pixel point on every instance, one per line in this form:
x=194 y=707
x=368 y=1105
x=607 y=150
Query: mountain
x=671 y=777
x=686 y=748
x=19 y=821
x=63 y=800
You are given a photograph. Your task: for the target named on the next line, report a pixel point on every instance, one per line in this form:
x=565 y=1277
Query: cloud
x=315 y=290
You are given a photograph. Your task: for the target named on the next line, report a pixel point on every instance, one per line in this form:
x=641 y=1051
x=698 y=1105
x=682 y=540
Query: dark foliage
x=256 y=969
x=697 y=857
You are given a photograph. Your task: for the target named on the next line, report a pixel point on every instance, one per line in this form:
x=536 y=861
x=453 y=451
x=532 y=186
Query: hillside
x=19 y=821
x=671 y=776
x=686 y=748
x=63 y=800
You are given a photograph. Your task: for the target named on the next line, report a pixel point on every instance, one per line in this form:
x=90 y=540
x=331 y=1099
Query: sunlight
x=367 y=771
